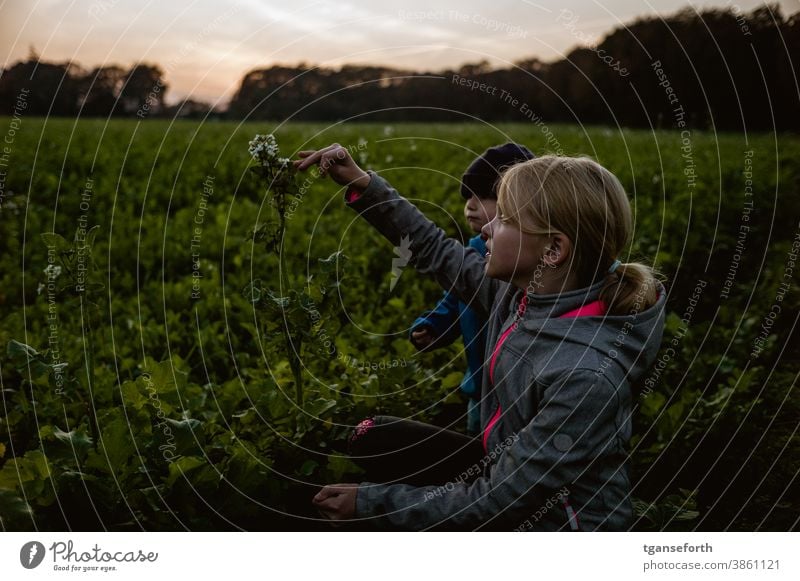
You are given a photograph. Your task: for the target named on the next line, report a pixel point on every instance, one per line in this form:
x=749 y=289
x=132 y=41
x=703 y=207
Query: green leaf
x=133 y=393
x=452 y=380
x=330 y=264
x=20 y=351
x=252 y=291
x=15 y=513
x=280 y=302
x=246 y=471
x=183 y=466
x=339 y=466
x=91 y=234
x=180 y=437
x=116 y=448
x=319 y=406
x=25 y=357
x=396 y=303
x=165 y=376
x=308 y=467
x=56 y=241
x=73 y=444
x=31 y=468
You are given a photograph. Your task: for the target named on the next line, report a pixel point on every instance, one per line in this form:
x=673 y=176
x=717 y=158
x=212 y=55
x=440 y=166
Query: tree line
x=719 y=68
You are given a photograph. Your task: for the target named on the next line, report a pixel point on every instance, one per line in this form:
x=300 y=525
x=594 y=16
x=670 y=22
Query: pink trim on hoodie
x=594 y=309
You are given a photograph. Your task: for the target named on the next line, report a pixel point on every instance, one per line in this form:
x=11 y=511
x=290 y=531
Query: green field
x=143 y=388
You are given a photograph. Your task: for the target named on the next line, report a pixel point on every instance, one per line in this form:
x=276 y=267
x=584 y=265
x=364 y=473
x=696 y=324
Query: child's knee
x=373 y=435
x=359 y=432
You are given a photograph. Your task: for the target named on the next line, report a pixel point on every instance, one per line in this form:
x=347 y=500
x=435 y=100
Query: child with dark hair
x=451 y=316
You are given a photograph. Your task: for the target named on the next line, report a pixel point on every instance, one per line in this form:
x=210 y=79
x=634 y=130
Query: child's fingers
x=309 y=159
x=321 y=503
x=323 y=495
x=329 y=491
x=315 y=156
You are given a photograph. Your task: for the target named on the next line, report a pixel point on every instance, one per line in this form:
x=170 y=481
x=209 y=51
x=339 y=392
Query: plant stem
x=90 y=374
x=292 y=350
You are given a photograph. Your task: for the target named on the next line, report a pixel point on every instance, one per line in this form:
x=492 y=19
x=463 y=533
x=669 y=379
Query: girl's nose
x=486 y=231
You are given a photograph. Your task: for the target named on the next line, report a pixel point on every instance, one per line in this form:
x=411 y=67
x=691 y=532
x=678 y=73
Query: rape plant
x=307 y=314
x=72 y=283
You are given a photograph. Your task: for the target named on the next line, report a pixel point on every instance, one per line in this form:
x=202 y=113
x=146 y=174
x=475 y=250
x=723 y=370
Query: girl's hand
x=337 y=502
x=336 y=161
x=422 y=337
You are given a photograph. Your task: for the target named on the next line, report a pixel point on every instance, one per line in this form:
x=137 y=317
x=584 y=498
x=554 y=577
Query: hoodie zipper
x=523 y=303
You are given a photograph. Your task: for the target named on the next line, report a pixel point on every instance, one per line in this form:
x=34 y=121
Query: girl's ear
x=558 y=251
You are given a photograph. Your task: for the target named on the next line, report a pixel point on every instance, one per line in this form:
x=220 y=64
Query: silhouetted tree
x=143 y=91
x=716 y=69
x=100 y=90
x=723 y=70
x=51 y=88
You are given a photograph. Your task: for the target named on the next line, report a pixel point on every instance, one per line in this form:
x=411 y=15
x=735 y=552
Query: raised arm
x=457 y=268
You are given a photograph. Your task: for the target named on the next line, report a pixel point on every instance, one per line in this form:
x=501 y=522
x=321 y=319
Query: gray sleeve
x=425 y=246
x=575 y=427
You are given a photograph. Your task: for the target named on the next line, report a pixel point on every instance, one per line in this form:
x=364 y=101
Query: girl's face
x=516 y=256
x=479 y=212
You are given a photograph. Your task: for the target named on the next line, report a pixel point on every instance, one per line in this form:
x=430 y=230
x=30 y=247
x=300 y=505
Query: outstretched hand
x=335 y=161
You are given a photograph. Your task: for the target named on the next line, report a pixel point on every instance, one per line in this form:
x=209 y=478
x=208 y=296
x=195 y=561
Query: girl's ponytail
x=630 y=289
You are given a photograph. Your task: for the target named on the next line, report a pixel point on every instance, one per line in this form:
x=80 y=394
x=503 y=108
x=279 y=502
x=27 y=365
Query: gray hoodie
x=557 y=419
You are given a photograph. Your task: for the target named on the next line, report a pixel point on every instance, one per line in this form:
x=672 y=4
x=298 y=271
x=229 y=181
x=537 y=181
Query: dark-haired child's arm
x=442 y=323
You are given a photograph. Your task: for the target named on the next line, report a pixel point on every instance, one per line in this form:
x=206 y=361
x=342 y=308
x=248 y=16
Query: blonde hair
x=583 y=200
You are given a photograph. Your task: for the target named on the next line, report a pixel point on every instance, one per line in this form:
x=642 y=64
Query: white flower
x=264 y=149
x=40 y=288
x=52 y=271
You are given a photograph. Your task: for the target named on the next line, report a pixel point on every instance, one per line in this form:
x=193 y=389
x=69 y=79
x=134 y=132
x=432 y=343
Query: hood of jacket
x=628 y=344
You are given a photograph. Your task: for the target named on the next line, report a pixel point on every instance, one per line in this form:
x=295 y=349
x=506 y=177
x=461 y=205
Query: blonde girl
x=571 y=326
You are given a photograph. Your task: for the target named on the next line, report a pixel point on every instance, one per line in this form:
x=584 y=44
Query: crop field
x=166 y=365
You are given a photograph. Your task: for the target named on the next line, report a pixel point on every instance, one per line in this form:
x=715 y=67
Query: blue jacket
x=470 y=325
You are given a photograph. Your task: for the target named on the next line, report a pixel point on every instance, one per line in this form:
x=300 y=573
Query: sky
x=206 y=46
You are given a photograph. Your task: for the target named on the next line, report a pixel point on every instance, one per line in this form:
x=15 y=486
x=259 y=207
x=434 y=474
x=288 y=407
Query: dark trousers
x=392 y=449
